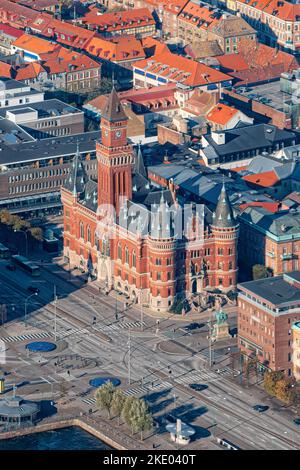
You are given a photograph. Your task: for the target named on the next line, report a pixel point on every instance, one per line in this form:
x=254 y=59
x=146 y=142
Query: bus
x=26 y=265
x=4 y=252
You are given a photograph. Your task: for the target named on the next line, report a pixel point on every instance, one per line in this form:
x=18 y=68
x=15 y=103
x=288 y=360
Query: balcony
x=271 y=254
x=286 y=256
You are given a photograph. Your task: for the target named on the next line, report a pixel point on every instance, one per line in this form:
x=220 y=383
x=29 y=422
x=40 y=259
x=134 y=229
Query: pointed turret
x=113 y=110
x=223 y=216
x=139 y=167
x=78 y=177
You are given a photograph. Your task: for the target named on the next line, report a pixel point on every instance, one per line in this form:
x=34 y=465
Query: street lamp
x=26 y=237
x=26 y=302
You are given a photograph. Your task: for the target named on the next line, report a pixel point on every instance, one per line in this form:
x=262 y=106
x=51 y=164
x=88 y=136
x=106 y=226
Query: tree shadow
x=152 y=397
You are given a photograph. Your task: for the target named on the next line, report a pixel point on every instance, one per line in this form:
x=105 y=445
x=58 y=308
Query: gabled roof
x=257 y=62
x=6 y=70
x=279 y=9
x=34 y=44
x=154 y=46
x=118 y=20
x=10 y=31
x=31 y=71
x=230 y=26
x=203 y=49
x=117 y=49
x=179 y=69
x=221 y=114
x=265 y=180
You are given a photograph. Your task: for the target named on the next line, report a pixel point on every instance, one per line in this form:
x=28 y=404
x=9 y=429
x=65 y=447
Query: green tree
x=259 y=272
x=283 y=389
x=140 y=417
x=5 y=217
x=37 y=233
x=126 y=411
x=104 y=396
x=270 y=380
x=136 y=415
x=117 y=403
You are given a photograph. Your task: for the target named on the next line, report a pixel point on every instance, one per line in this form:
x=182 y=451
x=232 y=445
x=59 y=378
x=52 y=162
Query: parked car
x=193 y=326
x=33 y=289
x=260 y=408
x=297 y=421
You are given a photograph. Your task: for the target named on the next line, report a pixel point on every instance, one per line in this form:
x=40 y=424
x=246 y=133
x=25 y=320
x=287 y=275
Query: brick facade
x=155 y=268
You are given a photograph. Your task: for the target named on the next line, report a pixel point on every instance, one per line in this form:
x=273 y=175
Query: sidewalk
x=75 y=277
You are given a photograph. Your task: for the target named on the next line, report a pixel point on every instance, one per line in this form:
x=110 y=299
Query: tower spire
x=78 y=177
x=113 y=110
x=223 y=215
x=139 y=167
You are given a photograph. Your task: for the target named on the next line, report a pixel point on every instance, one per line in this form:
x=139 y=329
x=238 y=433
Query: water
x=72 y=438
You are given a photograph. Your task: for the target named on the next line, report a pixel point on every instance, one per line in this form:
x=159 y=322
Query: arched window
x=81 y=229
x=119 y=251
x=88 y=234
x=133 y=259
x=126 y=255
x=96 y=240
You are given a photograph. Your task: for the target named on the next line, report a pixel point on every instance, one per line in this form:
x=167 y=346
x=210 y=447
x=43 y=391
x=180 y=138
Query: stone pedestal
x=220 y=331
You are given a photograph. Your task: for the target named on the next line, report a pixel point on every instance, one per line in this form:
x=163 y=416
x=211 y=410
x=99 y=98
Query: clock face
x=118 y=134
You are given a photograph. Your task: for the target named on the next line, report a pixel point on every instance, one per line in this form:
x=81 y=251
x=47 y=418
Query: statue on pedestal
x=221 y=327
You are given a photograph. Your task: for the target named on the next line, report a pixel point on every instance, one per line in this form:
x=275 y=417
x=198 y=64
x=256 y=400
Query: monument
x=221 y=327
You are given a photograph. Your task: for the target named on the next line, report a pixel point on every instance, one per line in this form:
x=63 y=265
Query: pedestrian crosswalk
x=202 y=376
x=147 y=388
x=12 y=339
x=89 y=401
x=73 y=331
x=123 y=325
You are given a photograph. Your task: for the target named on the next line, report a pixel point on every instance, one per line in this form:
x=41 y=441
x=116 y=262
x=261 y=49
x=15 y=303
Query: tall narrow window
x=81 y=228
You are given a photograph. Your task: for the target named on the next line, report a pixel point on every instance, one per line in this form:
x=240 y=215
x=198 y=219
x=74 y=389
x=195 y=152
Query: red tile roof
x=221 y=114
x=37 y=4
x=34 y=44
x=117 y=49
x=194 y=14
x=6 y=70
x=154 y=46
x=269 y=206
x=121 y=20
x=233 y=62
x=265 y=180
x=29 y=72
x=172 y=6
x=257 y=63
x=179 y=69
x=10 y=31
x=279 y=9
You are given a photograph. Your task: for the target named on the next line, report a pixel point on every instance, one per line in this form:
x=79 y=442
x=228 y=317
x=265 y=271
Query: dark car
x=297 y=421
x=198 y=387
x=193 y=326
x=10 y=267
x=33 y=289
x=260 y=408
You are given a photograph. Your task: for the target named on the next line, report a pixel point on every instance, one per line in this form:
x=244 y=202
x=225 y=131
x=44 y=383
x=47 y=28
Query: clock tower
x=114 y=155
